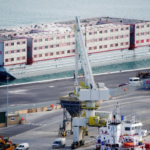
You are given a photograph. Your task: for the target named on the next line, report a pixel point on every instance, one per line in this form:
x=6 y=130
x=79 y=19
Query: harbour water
x=21 y=13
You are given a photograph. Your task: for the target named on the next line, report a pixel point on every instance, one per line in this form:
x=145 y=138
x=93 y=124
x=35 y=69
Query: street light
x=7 y=102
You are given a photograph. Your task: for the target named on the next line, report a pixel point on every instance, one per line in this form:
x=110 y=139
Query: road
x=52 y=90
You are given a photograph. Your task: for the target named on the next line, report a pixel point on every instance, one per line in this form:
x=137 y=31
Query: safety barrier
x=127 y=89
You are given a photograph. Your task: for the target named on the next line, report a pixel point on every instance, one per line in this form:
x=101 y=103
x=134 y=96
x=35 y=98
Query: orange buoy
x=52 y=105
x=125 y=89
x=128 y=144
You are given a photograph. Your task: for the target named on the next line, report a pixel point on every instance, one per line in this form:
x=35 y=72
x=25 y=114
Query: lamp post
x=7 y=102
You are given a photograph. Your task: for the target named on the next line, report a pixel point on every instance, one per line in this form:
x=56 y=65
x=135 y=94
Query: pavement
x=50 y=91
x=41 y=128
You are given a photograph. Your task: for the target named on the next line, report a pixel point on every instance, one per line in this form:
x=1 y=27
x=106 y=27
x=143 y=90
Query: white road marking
x=18 y=92
x=51 y=86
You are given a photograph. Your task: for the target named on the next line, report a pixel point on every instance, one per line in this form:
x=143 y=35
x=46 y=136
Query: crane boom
x=84 y=56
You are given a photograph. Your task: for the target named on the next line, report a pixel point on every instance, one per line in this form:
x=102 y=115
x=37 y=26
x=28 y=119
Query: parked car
x=135 y=81
x=123 y=84
x=23 y=146
x=59 y=143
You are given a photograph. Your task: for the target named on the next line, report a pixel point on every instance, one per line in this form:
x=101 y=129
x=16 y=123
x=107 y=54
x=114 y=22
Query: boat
x=50 y=48
x=121 y=134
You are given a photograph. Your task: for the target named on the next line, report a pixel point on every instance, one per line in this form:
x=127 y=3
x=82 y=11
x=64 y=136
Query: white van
x=135 y=81
x=23 y=146
x=59 y=143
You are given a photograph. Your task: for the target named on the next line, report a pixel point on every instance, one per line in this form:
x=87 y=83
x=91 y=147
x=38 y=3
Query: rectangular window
x=12 y=59
x=121 y=36
x=23 y=50
x=127 y=28
x=100 y=39
x=57 y=53
x=116 y=30
x=57 y=45
x=106 y=39
x=23 y=57
x=142 y=41
x=46 y=47
x=142 y=33
x=137 y=27
x=18 y=58
x=51 y=54
x=122 y=29
x=105 y=31
x=35 y=40
x=6 y=52
x=90 y=48
x=95 y=47
x=147 y=33
x=142 y=26
x=6 y=60
x=18 y=51
x=111 y=45
x=40 y=47
x=57 y=37
x=26 y=32
x=90 y=33
x=127 y=35
x=100 y=31
x=24 y=42
x=147 y=40
x=121 y=44
x=40 y=40
x=62 y=52
x=18 y=43
x=35 y=56
x=73 y=51
x=95 y=40
x=40 y=55
x=46 y=39
x=68 y=51
x=51 y=38
x=12 y=44
x=63 y=37
x=51 y=46
x=137 y=34
x=116 y=37
x=35 y=48
x=105 y=46
x=95 y=32
x=12 y=51
x=100 y=47
x=6 y=44
x=46 y=54
x=137 y=41
x=147 y=25
x=111 y=30
x=116 y=44
x=127 y=128
x=68 y=36
x=68 y=43
x=127 y=43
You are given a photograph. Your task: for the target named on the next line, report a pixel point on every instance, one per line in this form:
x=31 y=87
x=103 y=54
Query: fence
x=124 y=90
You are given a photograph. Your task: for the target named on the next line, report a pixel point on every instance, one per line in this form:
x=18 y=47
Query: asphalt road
x=41 y=128
x=51 y=91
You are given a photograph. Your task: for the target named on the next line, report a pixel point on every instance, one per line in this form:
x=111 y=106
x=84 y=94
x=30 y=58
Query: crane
x=90 y=93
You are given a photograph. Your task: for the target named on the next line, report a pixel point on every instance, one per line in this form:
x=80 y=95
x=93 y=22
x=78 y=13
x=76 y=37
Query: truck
x=59 y=143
